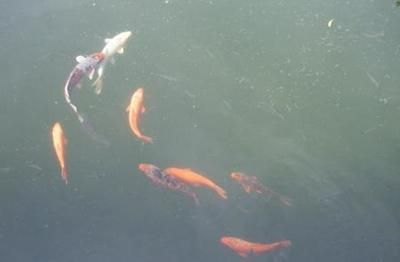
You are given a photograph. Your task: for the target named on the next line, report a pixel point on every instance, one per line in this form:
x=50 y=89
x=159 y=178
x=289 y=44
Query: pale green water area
x=269 y=88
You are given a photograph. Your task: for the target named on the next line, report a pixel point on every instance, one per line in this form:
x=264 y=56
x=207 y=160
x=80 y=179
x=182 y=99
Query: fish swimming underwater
x=113 y=45
x=188 y=176
x=135 y=110
x=160 y=178
x=245 y=248
x=86 y=66
x=60 y=148
x=252 y=184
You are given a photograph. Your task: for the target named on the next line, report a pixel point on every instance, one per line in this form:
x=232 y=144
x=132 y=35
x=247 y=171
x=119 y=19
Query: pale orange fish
x=190 y=177
x=60 y=147
x=252 y=184
x=135 y=110
x=245 y=248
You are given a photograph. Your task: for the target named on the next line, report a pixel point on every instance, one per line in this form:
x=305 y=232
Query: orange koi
x=60 y=147
x=160 y=178
x=252 y=184
x=244 y=248
x=188 y=176
x=135 y=109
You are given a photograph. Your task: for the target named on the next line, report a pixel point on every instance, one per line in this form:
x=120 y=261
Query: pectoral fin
x=91 y=74
x=121 y=50
x=80 y=59
x=143 y=109
x=128 y=108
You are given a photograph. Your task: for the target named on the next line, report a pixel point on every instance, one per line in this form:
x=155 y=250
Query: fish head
x=236 y=176
x=138 y=94
x=123 y=37
x=116 y=44
x=227 y=241
x=146 y=168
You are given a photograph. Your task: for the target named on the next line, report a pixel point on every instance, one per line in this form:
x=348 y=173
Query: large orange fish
x=188 y=176
x=252 y=184
x=160 y=178
x=245 y=248
x=60 y=147
x=135 y=110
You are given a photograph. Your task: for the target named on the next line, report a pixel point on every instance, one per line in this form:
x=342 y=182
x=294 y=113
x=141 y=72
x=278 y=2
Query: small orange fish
x=244 y=248
x=60 y=147
x=252 y=184
x=135 y=109
x=188 y=176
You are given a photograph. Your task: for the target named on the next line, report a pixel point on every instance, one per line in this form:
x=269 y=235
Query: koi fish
x=160 y=178
x=252 y=184
x=135 y=109
x=86 y=66
x=188 y=176
x=60 y=147
x=113 y=46
x=244 y=248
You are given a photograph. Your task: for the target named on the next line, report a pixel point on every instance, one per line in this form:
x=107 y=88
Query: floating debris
x=34 y=166
x=373 y=80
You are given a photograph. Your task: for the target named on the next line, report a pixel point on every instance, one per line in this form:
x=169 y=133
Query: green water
x=263 y=87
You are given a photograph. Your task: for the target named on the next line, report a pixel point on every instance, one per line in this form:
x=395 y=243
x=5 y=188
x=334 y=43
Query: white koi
x=113 y=45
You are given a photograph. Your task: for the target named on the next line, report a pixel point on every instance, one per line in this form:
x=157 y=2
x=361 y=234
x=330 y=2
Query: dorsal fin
x=80 y=58
x=107 y=40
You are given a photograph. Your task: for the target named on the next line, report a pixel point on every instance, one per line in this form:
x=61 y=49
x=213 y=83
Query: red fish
x=190 y=177
x=60 y=147
x=135 y=110
x=244 y=248
x=160 y=178
x=252 y=184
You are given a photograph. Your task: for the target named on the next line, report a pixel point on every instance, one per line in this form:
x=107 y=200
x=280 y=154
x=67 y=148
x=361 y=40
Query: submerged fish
x=113 y=45
x=135 y=110
x=86 y=66
x=188 y=176
x=60 y=148
x=252 y=184
x=245 y=248
x=160 y=178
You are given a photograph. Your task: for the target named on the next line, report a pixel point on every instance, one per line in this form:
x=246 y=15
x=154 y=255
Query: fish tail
x=220 y=191
x=147 y=139
x=64 y=175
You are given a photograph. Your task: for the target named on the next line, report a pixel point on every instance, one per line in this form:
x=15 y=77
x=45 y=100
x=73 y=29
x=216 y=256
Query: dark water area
x=303 y=95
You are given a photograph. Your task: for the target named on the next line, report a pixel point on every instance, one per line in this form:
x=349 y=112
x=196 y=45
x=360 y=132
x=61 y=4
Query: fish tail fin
x=285 y=243
x=64 y=175
x=285 y=200
x=220 y=191
x=147 y=139
x=98 y=85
